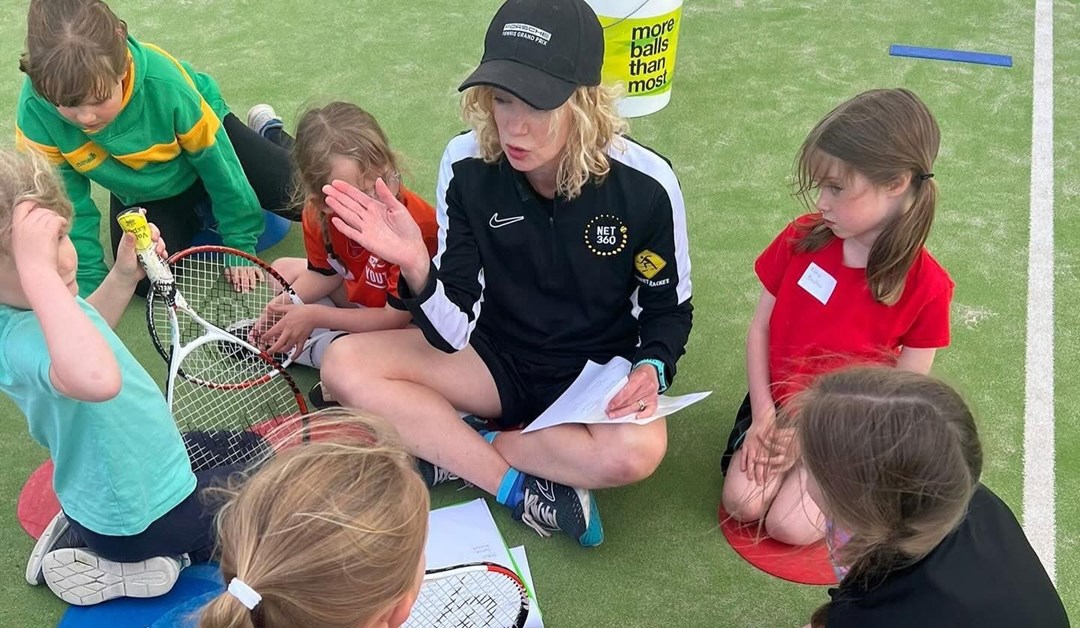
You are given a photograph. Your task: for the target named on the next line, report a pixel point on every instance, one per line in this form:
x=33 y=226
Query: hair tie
x=241 y=591
x=924 y=177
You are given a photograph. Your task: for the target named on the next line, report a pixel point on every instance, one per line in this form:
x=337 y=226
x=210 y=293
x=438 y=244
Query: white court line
x=1039 y=381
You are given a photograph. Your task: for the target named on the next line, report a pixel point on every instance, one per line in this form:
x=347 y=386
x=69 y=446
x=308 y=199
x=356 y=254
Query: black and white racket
x=479 y=595
x=225 y=394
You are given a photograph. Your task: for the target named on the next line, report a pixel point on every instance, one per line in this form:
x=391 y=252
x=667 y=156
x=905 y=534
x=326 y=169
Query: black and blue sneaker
x=434 y=475
x=318 y=399
x=549 y=507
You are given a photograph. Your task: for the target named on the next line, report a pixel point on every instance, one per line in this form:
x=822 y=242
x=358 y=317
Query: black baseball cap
x=541 y=51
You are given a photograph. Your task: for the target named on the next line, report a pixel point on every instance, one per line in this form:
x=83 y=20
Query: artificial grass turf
x=1067 y=301
x=751 y=79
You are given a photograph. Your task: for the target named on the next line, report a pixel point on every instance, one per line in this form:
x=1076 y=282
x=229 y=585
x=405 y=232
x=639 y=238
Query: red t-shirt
x=369 y=281
x=834 y=320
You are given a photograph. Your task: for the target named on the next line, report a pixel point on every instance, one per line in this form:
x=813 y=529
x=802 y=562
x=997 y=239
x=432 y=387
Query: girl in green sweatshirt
x=151 y=130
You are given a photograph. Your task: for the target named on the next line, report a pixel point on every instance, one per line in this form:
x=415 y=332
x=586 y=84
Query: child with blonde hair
x=850 y=282
x=328 y=534
x=893 y=460
x=344 y=288
x=131 y=514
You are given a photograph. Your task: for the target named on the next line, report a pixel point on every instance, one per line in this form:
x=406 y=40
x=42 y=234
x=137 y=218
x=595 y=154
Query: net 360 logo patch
x=606 y=235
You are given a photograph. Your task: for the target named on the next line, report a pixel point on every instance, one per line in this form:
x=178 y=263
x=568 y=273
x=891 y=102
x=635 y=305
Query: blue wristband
x=659 y=372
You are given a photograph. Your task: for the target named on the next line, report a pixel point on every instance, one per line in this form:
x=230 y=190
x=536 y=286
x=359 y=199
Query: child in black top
x=894 y=461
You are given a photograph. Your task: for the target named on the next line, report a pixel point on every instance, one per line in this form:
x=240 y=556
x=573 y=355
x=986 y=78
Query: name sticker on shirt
x=818 y=283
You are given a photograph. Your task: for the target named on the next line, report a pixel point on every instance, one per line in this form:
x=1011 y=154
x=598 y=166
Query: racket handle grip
x=133 y=221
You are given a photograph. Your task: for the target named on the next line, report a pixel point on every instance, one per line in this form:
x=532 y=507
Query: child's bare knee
x=791 y=528
x=739 y=501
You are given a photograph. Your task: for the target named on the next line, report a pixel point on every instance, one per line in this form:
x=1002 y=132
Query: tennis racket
x=199 y=274
x=479 y=595
x=225 y=393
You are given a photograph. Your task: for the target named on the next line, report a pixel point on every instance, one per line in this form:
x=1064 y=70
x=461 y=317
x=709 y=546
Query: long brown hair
x=75 y=50
x=884 y=135
x=595 y=124
x=896 y=456
x=329 y=533
x=341 y=129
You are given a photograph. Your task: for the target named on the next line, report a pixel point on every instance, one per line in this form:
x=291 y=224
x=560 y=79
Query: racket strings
x=228 y=392
x=475 y=599
x=201 y=278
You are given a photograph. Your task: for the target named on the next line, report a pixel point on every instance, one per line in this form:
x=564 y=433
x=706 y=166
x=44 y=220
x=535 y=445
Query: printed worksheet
x=587 y=398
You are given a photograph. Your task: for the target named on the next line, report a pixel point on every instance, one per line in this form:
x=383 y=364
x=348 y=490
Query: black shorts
x=526 y=385
x=743 y=418
x=186 y=529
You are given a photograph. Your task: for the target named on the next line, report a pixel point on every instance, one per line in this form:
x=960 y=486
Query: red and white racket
x=200 y=274
x=224 y=392
x=479 y=595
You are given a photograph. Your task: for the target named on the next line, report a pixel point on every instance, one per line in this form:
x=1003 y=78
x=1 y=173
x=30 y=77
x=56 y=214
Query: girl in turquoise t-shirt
x=122 y=475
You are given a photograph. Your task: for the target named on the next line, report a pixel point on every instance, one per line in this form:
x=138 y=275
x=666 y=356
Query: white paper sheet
x=466 y=533
x=586 y=399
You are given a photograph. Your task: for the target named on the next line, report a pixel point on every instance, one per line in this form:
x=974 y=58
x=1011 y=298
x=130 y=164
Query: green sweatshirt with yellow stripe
x=167 y=135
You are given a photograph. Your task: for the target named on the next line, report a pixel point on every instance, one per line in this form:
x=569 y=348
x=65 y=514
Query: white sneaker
x=262 y=116
x=82 y=578
x=45 y=544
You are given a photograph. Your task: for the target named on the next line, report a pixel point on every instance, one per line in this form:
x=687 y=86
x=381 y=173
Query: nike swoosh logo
x=496 y=222
x=546 y=490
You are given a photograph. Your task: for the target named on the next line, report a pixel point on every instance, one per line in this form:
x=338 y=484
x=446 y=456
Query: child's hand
x=754 y=455
x=35 y=239
x=127 y=264
x=295 y=322
x=782 y=447
x=243 y=278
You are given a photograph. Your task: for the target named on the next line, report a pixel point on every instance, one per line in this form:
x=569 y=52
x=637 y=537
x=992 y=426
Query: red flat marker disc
x=37 y=501
x=807 y=564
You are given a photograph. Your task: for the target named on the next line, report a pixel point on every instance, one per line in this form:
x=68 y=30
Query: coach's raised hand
x=383 y=226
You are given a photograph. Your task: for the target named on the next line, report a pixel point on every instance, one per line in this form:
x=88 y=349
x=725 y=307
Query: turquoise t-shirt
x=119 y=464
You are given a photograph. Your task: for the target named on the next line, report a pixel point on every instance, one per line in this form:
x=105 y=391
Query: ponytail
x=225 y=611
x=899 y=245
x=887 y=136
x=328 y=533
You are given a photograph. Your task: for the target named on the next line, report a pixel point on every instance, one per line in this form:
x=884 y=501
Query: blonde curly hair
x=595 y=125
x=28 y=177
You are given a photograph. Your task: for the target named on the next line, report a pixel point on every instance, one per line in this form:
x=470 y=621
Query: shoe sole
x=56 y=528
x=252 y=114
x=594 y=533
x=81 y=578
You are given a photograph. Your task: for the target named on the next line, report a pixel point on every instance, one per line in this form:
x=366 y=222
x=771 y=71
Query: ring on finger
x=641 y=405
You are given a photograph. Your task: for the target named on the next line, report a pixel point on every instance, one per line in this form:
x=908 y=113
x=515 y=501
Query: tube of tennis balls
x=133 y=221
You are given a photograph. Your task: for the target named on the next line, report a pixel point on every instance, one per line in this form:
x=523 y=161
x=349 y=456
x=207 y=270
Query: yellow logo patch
x=648 y=263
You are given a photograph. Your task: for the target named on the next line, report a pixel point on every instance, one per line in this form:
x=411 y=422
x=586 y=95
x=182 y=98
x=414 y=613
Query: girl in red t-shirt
x=342 y=286
x=850 y=282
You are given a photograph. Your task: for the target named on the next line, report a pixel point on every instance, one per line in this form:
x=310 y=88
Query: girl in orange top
x=342 y=286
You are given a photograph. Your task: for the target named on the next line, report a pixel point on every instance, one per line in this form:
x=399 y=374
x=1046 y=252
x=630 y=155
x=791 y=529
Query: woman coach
x=561 y=241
